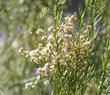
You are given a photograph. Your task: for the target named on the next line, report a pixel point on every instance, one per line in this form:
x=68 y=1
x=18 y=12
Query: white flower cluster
x=61 y=46
x=46 y=70
x=30 y=84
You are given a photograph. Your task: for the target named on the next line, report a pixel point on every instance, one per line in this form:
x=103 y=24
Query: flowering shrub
x=59 y=47
x=73 y=62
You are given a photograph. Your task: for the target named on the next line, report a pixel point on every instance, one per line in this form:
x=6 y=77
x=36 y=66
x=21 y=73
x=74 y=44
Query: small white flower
x=50 y=29
x=40 y=31
x=87 y=43
x=46 y=82
x=32 y=53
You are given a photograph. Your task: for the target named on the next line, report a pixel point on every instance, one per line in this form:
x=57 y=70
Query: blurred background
x=17 y=19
